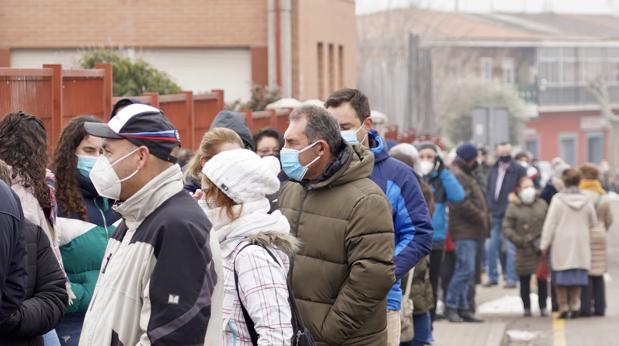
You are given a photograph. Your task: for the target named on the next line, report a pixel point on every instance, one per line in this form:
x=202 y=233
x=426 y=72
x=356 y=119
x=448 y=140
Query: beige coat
x=598 y=232
x=566 y=231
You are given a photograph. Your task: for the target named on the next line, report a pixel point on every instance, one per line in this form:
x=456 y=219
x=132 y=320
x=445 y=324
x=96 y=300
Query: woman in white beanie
x=255 y=247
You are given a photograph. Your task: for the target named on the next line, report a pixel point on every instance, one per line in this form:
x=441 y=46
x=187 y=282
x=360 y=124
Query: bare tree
x=599 y=90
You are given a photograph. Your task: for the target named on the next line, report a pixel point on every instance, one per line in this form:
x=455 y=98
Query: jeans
x=422 y=325
x=493 y=250
x=525 y=292
x=594 y=291
x=70 y=329
x=51 y=338
x=464 y=273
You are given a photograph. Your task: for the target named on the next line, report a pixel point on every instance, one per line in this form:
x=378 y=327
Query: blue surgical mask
x=85 y=164
x=350 y=136
x=291 y=165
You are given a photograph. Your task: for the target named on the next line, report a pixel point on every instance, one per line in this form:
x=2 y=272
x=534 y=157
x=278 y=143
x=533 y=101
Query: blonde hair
x=209 y=147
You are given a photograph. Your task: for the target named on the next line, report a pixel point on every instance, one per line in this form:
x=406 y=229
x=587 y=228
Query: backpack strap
x=248 y=321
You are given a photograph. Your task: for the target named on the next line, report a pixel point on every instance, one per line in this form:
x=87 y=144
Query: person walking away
x=157 y=275
x=446 y=189
x=421 y=293
x=468 y=223
x=213 y=142
x=522 y=225
x=502 y=180
x=256 y=306
x=571 y=216
x=411 y=220
x=595 y=290
x=85 y=220
x=343 y=221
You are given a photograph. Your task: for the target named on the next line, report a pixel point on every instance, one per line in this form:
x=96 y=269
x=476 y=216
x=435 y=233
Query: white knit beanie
x=242 y=175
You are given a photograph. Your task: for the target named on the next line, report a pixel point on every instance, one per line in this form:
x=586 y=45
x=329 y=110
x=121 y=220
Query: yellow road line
x=558 y=330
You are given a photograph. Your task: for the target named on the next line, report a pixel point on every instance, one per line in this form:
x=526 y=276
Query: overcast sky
x=574 y=6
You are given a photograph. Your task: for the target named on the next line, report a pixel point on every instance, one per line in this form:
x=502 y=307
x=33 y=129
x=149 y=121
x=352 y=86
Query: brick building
x=548 y=58
x=310 y=45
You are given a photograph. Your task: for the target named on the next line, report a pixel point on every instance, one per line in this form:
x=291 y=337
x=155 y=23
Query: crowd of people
x=327 y=234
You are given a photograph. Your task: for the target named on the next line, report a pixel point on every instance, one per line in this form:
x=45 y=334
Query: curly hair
x=23 y=146
x=68 y=193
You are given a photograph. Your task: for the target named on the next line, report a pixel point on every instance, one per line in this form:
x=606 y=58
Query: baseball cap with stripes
x=142 y=125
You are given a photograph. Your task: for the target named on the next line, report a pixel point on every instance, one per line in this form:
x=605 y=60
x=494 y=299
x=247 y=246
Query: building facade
x=305 y=47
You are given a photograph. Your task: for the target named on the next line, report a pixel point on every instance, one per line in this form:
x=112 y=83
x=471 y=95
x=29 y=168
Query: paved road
x=502 y=310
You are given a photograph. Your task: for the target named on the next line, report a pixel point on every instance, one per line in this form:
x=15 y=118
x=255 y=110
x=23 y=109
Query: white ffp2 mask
x=104 y=177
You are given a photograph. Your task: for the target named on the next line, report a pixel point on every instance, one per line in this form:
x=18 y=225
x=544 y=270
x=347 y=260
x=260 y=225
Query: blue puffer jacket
x=445 y=188
x=411 y=220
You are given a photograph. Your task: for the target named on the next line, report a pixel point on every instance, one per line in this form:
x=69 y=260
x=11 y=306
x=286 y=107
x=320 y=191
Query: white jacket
x=262 y=282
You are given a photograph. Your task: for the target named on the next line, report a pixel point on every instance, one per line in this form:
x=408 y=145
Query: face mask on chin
x=104 y=177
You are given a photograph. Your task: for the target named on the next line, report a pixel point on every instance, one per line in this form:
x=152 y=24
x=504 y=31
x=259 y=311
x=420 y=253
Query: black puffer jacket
x=46 y=294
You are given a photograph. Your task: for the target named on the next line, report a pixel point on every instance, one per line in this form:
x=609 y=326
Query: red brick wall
x=142 y=23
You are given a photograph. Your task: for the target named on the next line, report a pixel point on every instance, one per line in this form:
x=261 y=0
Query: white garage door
x=196 y=69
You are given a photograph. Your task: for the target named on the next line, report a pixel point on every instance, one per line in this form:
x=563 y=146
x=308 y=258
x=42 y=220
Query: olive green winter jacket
x=344 y=268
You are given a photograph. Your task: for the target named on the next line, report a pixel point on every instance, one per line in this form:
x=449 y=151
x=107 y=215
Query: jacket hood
x=573 y=198
x=235 y=122
x=355 y=162
x=378 y=146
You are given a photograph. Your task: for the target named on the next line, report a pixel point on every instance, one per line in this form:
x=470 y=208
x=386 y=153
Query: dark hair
x=589 y=171
x=521 y=155
x=120 y=104
x=518 y=188
x=320 y=125
x=482 y=151
x=571 y=177
x=23 y=146
x=270 y=133
x=68 y=193
x=357 y=100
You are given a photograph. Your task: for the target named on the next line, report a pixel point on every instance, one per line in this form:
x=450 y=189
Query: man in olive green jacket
x=344 y=269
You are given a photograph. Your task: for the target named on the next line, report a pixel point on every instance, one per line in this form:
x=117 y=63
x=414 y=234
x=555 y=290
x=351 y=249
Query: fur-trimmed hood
x=287 y=243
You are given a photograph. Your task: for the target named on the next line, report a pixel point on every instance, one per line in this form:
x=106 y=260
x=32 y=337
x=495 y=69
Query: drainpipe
x=272 y=49
x=286 y=46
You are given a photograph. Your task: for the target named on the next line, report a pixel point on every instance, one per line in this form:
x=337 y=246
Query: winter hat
x=242 y=175
x=467 y=152
x=406 y=153
x=558 y=167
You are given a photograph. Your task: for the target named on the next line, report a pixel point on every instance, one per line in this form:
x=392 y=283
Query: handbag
x=406 y=311
x=542 y=271
x=301 y=335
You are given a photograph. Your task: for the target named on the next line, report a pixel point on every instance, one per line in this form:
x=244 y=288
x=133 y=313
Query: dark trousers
x=525 y=292
x=595 y=291
x=447 y=271
x=436 y=262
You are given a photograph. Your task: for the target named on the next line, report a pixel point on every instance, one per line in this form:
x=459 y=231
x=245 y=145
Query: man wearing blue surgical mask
x=344 y=269
x=413 y=226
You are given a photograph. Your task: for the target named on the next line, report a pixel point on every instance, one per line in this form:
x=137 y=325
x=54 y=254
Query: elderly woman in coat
x=591 y=186
x=566 y=233
x=522 y=225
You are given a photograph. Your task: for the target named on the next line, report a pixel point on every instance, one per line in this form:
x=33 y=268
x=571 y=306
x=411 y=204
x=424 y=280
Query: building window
x=509 y=73
x=340 y=57
x=486 y=68
x=321 y=72
x=595 y=147
x=331 y=68
x=532 y=146
x=568 y=148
